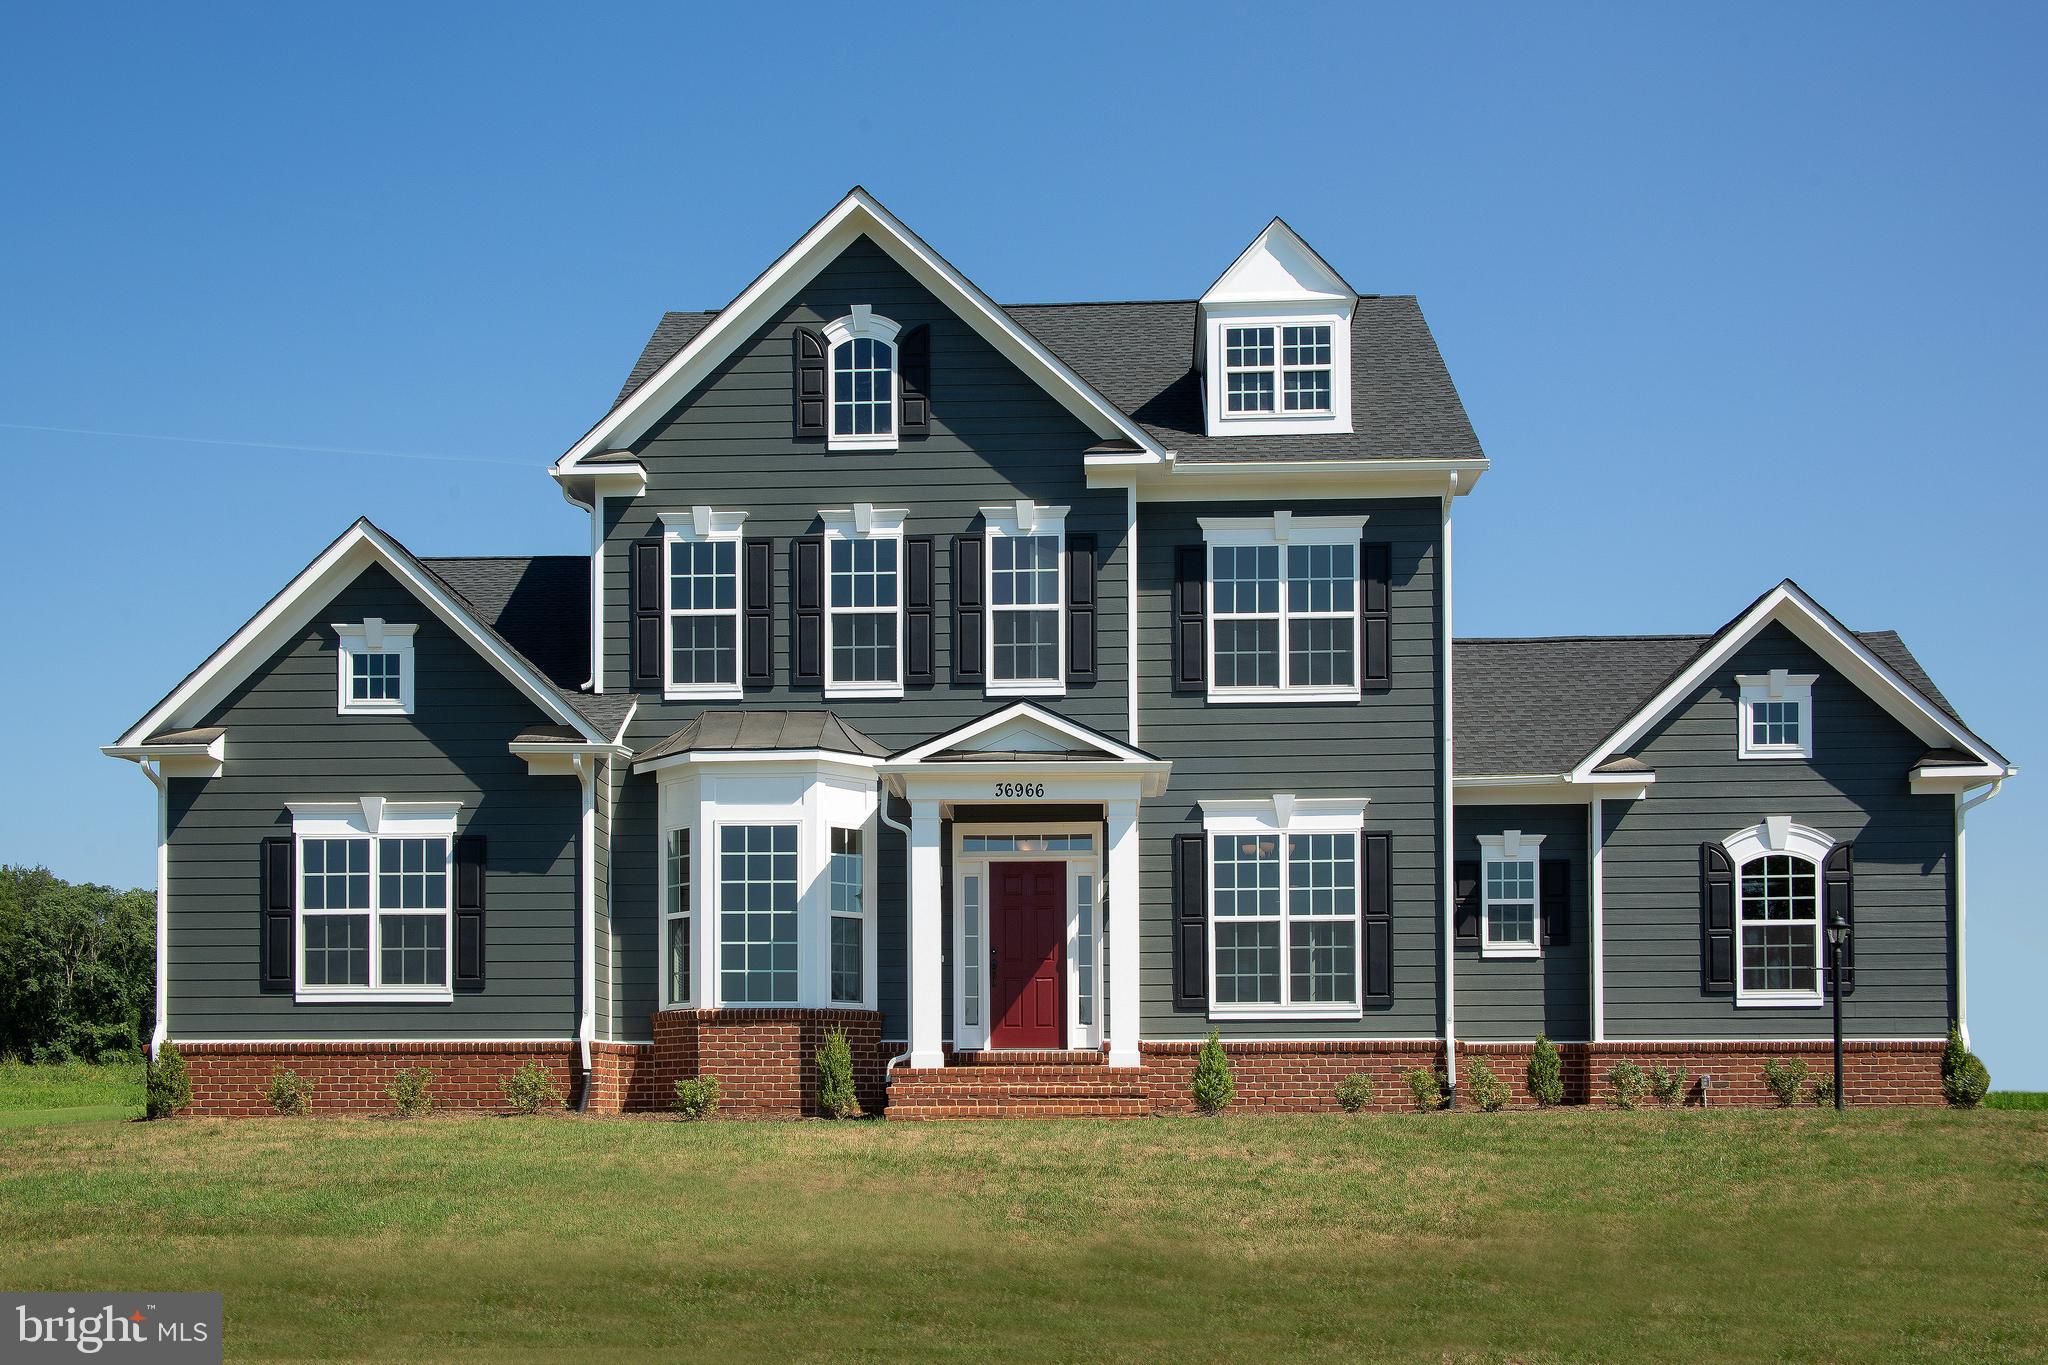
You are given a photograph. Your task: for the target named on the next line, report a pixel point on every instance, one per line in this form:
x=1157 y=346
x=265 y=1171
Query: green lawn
x=75 y=1092
x=1527 y=1236
x=2016 y=1099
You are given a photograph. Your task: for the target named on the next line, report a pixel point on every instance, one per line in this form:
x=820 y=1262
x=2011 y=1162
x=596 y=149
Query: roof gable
x=1024 y=729
x=1278 y=267
x=855 y=216
x=302 y=600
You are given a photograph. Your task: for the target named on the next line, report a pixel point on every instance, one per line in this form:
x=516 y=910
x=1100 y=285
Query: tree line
x=77 y=968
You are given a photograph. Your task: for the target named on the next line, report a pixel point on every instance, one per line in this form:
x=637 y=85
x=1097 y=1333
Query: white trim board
x=305 y=598
x=1789 y=605
x=858 y=214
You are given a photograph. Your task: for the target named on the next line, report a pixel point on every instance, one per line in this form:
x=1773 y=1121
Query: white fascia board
x=1952 y=778
x=559 y=759
x=857 y=214
x=303 y=599
x=1555 y=790
x=1023 y=710
x=1178 y=481
x=582 y=486
x=176 y=760
x=1789 y=605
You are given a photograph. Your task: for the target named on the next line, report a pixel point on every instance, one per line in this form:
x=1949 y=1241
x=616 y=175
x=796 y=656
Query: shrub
x=531 y=1089
x=1786 y=1077
x=1427 y=1089
x=1964 y=1079
x=1546 y=1073
x=290 y=1093
x=1668 y=1085
x=1355 y=1093
x=408 y=1092
x=1489 y=1091
x=166 y=1087
x=1822 y=1091
x=697 y=1097
x=1628 y=1083
x=1214 y=1086
x=836 y=1099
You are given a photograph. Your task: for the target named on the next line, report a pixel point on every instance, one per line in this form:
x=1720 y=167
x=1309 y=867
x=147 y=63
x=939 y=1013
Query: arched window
x=1778 y=904
x=862 y=348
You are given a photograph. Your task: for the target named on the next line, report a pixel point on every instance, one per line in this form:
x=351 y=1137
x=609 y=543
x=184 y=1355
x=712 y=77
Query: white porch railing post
x=1124 y=951
x=927 y=1029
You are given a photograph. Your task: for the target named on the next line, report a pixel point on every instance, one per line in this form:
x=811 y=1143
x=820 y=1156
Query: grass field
x=75 y=1092
x=1788 y=1235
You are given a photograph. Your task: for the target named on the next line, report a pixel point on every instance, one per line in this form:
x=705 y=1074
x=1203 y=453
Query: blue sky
x=1732 y=294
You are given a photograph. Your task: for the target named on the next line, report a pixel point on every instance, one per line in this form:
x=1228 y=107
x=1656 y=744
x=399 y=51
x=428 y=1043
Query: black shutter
x=967 y=609
x=1375 y=615
x=1839 y=875
x=1379 y=919
x=1465 y=904
x=759 y=586
x=471 y=855
x=1081 y=609
x=808 y=374
x=1190 y=606
x=1190 y=923
x=647 y=612
x=807 y=636
x=1717 y=920
x=917 y=611
x=280 y=889
x=914 y=376
x=1556 y=902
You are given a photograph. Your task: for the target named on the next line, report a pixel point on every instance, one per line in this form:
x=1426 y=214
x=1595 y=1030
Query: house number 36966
x=1020 y=790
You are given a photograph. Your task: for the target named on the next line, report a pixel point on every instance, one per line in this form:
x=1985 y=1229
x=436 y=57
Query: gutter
x=1963 y=807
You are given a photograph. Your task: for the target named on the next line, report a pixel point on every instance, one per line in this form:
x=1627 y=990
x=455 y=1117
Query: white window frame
x=1223 y=318
x=862 y=322
x=865 y=916
x=864 y=521
x=1282 y=816
x=1510 y=846
x=698 y=525
x=689 y=912
x=374 y=819
x=1281 y=530
x=374 y=635
x=815 y=794
x=1778 y=685
x=1778 y=835
x=1024 y=518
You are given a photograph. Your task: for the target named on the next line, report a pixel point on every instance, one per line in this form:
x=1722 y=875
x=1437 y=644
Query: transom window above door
x=862 y=351
x=1284 y=608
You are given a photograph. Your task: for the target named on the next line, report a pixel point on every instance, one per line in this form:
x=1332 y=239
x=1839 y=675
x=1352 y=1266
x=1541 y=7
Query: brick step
x=1090 y=1057
x=1088 y=1090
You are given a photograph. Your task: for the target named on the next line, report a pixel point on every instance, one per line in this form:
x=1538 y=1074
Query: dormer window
x=862 y=350
x=375 y=667
x=1305 y=368
x=1275 y=341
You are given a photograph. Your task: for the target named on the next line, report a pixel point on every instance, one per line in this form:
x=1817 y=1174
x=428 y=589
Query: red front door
x=1027 y=933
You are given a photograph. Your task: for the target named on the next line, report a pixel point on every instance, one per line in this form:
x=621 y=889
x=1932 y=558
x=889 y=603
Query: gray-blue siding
x=1514 y=999
x=286 y=743
x=1855 y=788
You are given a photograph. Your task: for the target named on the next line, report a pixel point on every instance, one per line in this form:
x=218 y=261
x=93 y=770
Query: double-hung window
x=703 y=607
x=1279 y=368
x=374 y=899
x=1510 y=879
x=376 y=667
x=1026 y=589
x=1284 y=906
x=864 y=602
x=862 y=351
x=849 y=918
x=1775 y=713
x=677 y=925
x=758 y=894
x=1283 y=608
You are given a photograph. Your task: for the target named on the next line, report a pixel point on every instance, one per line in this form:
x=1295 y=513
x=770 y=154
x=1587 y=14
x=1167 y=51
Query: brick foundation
x=1872 y=1073
x=233 y=1079
x=765 y=1059
x=1291 y=1078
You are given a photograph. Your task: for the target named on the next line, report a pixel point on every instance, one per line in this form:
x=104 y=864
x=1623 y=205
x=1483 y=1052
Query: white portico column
x=927 y=1029
x=1124 y=949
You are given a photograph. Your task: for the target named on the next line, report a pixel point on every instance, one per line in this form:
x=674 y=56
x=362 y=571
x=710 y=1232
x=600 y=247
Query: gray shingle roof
x=766 y=731
x=1540 y=705
x=1140 y=356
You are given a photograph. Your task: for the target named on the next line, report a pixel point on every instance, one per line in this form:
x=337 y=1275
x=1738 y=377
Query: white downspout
x=882 y=811
x=161 y=1029
x=586 y=881
x=1131 y=606
x=1596 y=837
x=1450 y=843
x=1963 y=808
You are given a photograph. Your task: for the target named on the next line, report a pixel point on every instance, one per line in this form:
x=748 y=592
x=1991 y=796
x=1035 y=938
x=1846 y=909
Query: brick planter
x=764 y=1059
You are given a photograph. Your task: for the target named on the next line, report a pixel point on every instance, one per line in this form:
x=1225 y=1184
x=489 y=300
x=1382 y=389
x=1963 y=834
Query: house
x=1027 y=691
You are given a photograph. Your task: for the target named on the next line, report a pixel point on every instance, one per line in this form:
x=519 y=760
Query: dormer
x=1274 y=345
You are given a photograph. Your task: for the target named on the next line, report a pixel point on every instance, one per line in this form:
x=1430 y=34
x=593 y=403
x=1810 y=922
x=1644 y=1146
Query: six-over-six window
x=1283 y=607
x=1298 y=382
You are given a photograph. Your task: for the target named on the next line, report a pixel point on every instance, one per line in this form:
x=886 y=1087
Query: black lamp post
x=1838 y=934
